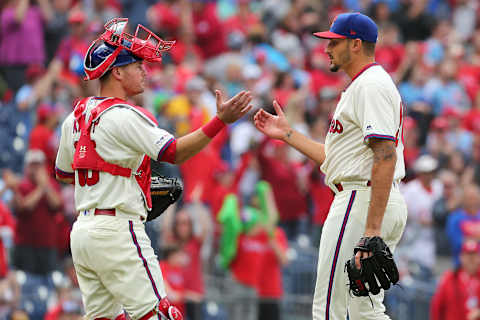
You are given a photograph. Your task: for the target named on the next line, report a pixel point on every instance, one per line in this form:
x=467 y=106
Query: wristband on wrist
x=213 y=127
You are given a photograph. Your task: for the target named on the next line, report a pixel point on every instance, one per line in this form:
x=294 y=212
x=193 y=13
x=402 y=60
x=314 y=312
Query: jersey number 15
x=88 y=177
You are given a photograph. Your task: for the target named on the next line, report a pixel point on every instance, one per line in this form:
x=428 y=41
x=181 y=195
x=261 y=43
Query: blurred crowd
x=246 y=198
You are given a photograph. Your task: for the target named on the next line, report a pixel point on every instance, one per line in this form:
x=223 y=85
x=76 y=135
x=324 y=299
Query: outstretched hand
x=234 y=108
x=275 y=127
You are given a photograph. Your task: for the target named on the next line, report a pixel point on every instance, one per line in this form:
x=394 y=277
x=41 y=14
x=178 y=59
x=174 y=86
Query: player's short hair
x=105 y=76
x=368 y=48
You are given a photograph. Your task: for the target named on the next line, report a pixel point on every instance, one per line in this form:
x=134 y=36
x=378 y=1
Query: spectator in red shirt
x=209 y=33
x=243 y=20
x=184 y=237
x=245 y=272
x=469 y=77
x=389 y=52
x=320 y=75
x=322 y=198
x=43 y=135
x=270 y=286
x=284 y=88
x=278 y=170
x=197 y=174
x=172 y=267
x=410 y=136
x=469 y=69
x=37 y=201
x=438 y=144
x=164 y=16
x=471 y=120
x=181 y=233
x=7 y=228
x=458 y=294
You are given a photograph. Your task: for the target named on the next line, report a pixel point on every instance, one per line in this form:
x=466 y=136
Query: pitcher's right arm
x=277 y=127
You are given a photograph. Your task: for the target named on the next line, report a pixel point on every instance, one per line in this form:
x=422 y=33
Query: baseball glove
x=165 y=191
x=380 y=266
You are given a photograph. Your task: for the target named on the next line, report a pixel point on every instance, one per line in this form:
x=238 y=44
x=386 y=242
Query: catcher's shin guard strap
x=165 y=309
x=213 y=127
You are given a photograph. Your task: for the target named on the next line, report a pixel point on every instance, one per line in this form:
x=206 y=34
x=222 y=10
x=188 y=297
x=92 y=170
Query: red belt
x=104 y=212
x=340 y=187
x=122 y=316
x=109 y=212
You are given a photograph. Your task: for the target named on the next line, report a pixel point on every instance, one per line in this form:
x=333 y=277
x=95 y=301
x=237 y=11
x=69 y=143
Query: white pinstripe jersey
x=122 y=136
x=369 y=107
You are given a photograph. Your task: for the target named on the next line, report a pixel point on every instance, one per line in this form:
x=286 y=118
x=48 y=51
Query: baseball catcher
x=106 y=148
x=377 y=271
x=165 y=191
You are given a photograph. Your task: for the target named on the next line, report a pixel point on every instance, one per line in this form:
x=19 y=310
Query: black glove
x=380 y=266
x=165 y=191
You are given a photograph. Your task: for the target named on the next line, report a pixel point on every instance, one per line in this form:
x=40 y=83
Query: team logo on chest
x=82 y=151
x=335 y=126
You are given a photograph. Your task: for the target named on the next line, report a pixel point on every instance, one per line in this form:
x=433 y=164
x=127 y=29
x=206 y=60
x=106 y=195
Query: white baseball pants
x=116 y=266
x=343 y=228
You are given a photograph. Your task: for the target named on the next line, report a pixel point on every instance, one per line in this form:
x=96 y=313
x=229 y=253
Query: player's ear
x=357 y=45
x=117 y=73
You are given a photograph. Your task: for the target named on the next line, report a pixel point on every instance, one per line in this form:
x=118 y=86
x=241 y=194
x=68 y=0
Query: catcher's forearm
x=312 y=149
x=192 y=143
x=385 y=158
x=189 y=145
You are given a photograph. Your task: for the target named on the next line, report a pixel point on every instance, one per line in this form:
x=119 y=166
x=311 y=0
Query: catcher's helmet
x=99 y=59
x=116 y=48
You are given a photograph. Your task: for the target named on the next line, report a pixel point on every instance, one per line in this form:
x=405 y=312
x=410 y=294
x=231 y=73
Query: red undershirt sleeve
x=168 y=154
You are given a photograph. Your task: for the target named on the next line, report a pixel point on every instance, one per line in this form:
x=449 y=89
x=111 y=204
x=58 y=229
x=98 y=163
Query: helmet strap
x=102 y=68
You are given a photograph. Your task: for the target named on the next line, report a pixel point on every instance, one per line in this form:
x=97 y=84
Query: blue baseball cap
x=352 y=26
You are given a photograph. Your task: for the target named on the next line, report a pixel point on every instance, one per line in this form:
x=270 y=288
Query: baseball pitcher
x=362 y=159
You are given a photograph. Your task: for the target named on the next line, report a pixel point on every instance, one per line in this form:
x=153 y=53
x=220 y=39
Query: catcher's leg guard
x=165 y=310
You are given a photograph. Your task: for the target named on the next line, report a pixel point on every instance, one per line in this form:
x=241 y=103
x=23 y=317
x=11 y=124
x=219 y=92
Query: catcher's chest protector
x=87 y=158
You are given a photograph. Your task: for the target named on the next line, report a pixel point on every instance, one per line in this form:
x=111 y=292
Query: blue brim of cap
x=329 y=35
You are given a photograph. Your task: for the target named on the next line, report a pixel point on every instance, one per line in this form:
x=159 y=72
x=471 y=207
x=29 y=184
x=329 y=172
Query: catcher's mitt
x=380 y=266
x=165 y=191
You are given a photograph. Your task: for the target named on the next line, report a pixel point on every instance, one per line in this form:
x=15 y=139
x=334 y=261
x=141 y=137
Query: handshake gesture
x=234 y=108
